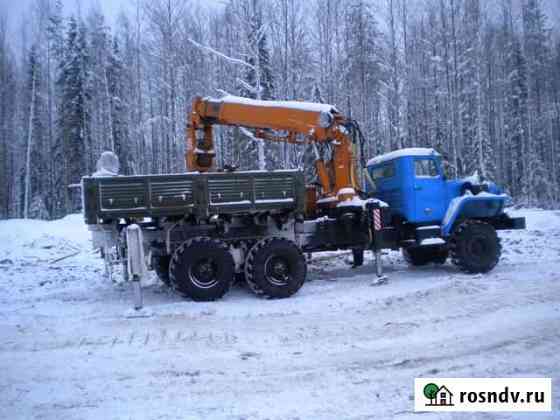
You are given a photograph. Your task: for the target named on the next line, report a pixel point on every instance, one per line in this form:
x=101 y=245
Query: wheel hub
x=204 y=273
x=478 y=247
x=277 y=271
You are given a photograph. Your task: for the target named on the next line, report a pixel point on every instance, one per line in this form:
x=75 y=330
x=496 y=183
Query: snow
x=411 y=151
x=230 y=203
x=301 y=106
x=358 y=202
x=261 y=171
x=453 y=206
x=200 y=151
x=457 y=201
x=346 y=191
x=431 y=227
x=326 y=200
x=274 y=200
x=72 y=348
x=211 y=50
x=474 y=179
x=107 y=165
x=432 y=241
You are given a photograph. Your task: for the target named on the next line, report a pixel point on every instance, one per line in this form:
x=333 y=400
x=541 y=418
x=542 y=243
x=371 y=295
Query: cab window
x=385 y=171
x=425 y=168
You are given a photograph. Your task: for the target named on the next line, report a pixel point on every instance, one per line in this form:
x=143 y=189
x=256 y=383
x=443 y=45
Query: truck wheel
x=440 y=255
x=475 y=247
x=275 y=268
x=161 y=267
x=202 y=269
x=418 y=256
x=357 y=257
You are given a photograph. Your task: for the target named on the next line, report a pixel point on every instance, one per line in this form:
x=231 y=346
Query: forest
x=477 y=80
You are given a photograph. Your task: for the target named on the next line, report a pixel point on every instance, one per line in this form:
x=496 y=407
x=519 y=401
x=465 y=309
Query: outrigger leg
x=381 y=278
x=377 y=225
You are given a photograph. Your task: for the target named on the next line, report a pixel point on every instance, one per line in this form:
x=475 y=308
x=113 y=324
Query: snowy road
x=339 y=349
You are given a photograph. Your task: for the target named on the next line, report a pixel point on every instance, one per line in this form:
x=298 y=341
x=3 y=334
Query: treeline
x=479 y=81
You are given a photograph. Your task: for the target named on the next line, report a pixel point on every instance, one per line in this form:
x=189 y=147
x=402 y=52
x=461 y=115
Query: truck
x=205 y=228
x=433 y=218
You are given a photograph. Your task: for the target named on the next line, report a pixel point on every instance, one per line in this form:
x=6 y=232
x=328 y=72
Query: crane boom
x=317 y=123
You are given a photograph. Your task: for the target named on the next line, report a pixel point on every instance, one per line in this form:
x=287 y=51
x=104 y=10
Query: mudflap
x=505 y=222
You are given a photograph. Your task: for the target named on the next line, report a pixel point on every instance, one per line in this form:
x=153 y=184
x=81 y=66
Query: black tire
x=357 y=257
x=239 y=278
x=440 y=255
x=202 y=269
x=275 y=268
x=422 y=255
x=475 y=247
x=161 y=267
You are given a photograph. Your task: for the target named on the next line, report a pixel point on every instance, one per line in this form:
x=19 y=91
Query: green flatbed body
x=198 y=194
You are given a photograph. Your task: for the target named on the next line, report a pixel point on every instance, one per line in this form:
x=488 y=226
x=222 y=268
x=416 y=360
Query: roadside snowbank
x=40 y=238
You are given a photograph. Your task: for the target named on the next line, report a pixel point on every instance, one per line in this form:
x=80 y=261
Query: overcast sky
x=111 y=8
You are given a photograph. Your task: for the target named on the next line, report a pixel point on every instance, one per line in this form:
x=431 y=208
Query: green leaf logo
x=430 y=390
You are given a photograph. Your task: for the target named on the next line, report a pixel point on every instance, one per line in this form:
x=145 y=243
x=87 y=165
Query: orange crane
x=316 y=123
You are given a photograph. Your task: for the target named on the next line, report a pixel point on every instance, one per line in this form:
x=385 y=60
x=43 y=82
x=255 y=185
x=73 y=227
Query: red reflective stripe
x=377 y=219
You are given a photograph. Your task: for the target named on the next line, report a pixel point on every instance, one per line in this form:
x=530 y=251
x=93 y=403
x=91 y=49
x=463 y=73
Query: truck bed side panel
x=200 y=194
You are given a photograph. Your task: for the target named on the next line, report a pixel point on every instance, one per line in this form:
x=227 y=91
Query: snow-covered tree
x=118 y=107
x=35 y=169
x=73 y=119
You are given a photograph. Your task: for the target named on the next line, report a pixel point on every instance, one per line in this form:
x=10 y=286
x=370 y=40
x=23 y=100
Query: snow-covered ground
x=339 y=349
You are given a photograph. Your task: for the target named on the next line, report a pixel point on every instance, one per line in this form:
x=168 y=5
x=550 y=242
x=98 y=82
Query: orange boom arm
x=318 y=123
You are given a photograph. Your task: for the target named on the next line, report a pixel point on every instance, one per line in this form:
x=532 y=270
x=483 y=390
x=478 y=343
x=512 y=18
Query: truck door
x=429 y=191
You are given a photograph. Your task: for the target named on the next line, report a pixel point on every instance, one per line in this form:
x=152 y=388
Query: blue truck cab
x=412 y=181
x=433 y=218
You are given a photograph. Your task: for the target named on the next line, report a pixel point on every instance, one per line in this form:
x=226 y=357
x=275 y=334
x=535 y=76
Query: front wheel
x=275 y=268
x=475 y=247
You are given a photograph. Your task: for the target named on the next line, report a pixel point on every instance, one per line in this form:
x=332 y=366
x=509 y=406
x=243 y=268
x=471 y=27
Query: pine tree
x=55 y=31
x=537 y=154
x=100 y=104
x=73 y=121
x=55 y=54
x=118 y=105
x=555 y=141
x=257 y=82
x=35 y=180
x=516 y=114
x=8 y=106
x=394 y=82
x=469 y=86
x=362 y=68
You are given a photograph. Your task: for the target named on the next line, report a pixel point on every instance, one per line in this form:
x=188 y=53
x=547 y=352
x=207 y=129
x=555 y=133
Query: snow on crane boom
x=317 y=123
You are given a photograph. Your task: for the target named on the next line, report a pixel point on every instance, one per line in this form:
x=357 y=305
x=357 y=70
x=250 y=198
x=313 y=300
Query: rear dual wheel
x=275 y=268
x=203 y=269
